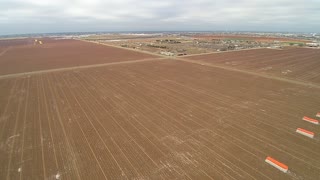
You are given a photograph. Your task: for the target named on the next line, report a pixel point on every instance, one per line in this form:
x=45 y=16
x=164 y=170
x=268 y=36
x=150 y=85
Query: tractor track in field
x=162 y=57
x=158 y=117
x=4 y=51
x=219 y=66
x=76 y=68
x=308 y=84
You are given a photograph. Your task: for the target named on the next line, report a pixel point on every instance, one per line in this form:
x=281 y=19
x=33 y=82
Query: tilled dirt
x=16 y=42
x=165 y=119
x=296 y=63
x=25 y=56
x=251 y=38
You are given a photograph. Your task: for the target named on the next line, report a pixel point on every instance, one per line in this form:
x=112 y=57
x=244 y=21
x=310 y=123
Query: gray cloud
x=27 y=16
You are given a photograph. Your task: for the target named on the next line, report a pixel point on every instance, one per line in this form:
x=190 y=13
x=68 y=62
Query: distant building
x=313 y=44
x=167 y=53
x=275 y=47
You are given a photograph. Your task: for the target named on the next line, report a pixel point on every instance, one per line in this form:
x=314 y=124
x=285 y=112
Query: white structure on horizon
x=313 y=44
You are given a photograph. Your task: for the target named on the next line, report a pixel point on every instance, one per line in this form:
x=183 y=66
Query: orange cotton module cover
x=282 y=167
x=305 y=132
x=310 y=120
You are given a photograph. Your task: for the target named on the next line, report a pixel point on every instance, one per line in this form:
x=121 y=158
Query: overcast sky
x=39 y=16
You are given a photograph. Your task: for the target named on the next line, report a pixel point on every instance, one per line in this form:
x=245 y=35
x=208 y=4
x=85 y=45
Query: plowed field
x=299 y=63
x=163 y=119
x=118 y=114
x=54 y=54
x=252 y=38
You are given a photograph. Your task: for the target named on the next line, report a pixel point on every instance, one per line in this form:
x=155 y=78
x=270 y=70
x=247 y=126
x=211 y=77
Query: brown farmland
x=296 y=63
x=54 y=54
x=251 y=38
x=16 y=42
x=162 y=119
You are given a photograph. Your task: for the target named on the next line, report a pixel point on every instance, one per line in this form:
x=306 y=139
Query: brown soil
x=155 y=120
x=58 y=54
x=252 y=38
x=295 y=63
x=16 y=42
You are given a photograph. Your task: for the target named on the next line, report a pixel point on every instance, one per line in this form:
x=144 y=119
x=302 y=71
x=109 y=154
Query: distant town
x=186 y=43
